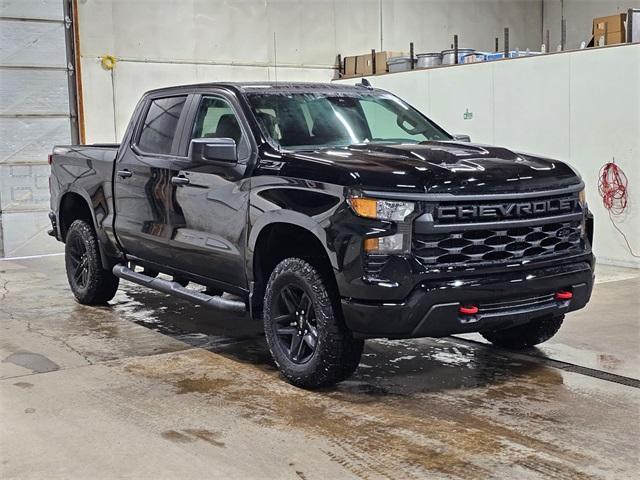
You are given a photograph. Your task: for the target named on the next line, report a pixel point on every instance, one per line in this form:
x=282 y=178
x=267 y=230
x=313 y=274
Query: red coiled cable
x=612 y=186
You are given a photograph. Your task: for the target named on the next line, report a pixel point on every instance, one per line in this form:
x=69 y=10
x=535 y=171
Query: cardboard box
x=609 y=30
x=362 y=65
x=350 y=66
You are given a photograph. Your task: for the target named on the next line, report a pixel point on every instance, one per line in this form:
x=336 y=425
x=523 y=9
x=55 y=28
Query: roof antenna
x=364 y=83
x=275 y=57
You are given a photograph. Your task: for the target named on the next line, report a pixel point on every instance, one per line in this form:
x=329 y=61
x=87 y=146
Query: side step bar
x=173 y=288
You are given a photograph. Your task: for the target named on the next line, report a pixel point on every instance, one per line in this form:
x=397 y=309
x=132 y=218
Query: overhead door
x=36 y=101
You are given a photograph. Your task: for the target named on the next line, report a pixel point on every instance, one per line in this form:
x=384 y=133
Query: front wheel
x=527 y=335
x=306 y=336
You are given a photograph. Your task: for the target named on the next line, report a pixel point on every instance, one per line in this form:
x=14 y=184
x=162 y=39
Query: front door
x=208 y=214
x=142 y=180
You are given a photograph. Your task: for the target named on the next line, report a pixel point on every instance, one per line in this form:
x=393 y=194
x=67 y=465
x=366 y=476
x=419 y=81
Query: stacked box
x=362 y=65
x=609 y=30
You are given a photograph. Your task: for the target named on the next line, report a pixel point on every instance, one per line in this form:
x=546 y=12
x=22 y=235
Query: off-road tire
x=96 y=286
x=337 y=353
x=527 y=335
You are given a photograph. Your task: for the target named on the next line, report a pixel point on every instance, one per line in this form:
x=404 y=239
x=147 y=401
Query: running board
x=174 y=288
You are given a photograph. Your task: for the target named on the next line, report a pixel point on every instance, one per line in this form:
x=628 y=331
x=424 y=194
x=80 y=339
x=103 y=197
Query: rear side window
x=160 y=125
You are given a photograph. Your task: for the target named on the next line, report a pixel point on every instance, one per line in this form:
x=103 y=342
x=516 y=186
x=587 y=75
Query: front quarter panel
x=322 y=209
x=303 y=203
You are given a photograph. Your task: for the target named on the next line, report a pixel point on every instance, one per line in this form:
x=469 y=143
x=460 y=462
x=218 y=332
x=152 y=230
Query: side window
x=160 y=124
x=217 y=119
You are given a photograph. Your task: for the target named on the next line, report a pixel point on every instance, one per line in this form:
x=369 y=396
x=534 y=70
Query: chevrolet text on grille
x=506 y=210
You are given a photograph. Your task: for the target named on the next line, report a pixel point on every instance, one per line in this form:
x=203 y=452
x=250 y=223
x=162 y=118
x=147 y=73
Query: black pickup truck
x=331 y=213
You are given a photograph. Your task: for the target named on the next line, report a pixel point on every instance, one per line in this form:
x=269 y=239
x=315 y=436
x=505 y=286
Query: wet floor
x=194 y=391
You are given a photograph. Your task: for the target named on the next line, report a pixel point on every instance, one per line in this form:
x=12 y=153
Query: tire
x=314 y=348
x=90 y=283
x=526 y=336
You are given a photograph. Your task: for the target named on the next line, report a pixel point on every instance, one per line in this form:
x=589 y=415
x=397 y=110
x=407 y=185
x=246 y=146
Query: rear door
x=142 y=180
x=208 y=214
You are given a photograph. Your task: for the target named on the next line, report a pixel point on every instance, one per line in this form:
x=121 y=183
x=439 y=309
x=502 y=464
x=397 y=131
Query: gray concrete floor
x=152 y=387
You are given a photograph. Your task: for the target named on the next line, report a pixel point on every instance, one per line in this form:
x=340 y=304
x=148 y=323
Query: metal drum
x=448 y=56
x=399 y=64
x=426 y=60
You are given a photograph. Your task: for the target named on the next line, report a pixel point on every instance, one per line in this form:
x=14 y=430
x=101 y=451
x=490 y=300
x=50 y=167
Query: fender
x=293 y=201
x=287 y=217
x=108 y=260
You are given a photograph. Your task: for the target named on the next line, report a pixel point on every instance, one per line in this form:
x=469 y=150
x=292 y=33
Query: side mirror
x=461 y=138
x=213 y=150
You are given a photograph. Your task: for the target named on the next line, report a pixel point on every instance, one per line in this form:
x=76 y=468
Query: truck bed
x=87 y=171
x=98 y=151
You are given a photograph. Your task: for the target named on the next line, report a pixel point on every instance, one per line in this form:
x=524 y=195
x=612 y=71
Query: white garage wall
x=432 y=24
x=579 y=15
x=582 y=107
x=166 y=42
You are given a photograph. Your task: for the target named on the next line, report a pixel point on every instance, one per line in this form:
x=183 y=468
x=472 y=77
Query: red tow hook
x=468 y=310
x=563 y=295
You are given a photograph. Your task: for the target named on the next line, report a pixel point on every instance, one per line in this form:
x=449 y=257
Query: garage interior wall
x=582 y=107
x=579 y=15
x=166 y=43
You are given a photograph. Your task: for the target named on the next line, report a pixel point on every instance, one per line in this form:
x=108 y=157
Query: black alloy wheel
x=304 y=327
x=296 y=323
x=90 y=282
x=79 y=262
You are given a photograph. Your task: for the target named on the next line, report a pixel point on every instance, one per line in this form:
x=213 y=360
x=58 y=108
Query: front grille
x=492 y=245
x=495 y=245
x=473 y=232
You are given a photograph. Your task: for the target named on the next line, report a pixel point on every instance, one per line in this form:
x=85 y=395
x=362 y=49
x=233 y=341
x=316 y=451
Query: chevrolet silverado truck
x=330 y=213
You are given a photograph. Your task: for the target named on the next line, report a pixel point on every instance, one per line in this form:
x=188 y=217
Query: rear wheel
x=306 y=336
x=90 y=283
x=526 y=336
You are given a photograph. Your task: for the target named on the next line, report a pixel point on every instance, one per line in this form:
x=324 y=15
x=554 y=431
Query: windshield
x=299 y=121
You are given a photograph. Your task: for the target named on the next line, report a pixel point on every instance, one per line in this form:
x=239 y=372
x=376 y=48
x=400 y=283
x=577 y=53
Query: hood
x=431 y=167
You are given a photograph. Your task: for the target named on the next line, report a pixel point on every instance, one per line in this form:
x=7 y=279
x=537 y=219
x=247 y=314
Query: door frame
x=197 y=95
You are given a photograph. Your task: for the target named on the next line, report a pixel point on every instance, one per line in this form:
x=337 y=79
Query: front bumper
x=505 y=299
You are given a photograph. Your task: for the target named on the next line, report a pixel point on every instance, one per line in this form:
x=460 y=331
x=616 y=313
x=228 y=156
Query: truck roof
x=271 y=87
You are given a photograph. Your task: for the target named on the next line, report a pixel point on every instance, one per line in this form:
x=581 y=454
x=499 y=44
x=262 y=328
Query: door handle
x=180 y=180
x=124 y=173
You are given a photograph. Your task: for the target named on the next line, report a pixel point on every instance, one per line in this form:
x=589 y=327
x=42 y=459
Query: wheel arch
x=71 y=207
x=74 y=206
x=275 y=238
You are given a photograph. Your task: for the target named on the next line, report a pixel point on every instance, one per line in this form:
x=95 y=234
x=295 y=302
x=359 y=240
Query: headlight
x=381 y=209
x=390 y=210
x=582 y=197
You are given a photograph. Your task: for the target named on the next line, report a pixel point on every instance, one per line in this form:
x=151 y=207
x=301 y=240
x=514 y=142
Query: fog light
x=388 y=244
